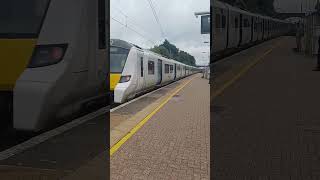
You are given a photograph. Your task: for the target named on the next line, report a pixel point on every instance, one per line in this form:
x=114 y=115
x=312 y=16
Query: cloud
x=176 y=17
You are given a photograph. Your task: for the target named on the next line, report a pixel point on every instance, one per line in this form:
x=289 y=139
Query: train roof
x=120 y=43
x=224 y=5
x=123 y=44
x=236 y=9
x=219 y=4
x=127 y=45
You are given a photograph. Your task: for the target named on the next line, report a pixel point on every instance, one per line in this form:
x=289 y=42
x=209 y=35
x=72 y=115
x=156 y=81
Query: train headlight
x=45 y=55
x=124 y=79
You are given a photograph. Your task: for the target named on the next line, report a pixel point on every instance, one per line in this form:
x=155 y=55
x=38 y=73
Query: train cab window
x=141 y=66
x=150 y=67
x=118 y=58
x=22 y=18
x=166 y=68
x=218 y=22
x=223 y=24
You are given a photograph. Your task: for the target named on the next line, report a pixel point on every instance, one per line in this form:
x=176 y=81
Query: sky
x=294 y=5
x=135 y=22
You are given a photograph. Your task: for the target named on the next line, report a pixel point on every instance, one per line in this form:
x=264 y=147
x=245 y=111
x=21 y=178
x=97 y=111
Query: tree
x=161 y=50
x=169 y=50
x=173 y=50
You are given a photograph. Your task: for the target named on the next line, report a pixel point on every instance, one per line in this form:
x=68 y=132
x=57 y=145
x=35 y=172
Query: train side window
x=150 y=67
x=166 y=68
x=171 y=68
x=223 y=21
x=141 y=66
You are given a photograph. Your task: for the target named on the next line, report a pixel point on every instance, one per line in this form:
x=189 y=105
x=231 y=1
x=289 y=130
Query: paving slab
x=174 y=143
x=265 y=125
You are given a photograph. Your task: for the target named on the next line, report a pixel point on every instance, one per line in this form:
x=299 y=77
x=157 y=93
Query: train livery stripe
x=114 y=79
x=14 y=57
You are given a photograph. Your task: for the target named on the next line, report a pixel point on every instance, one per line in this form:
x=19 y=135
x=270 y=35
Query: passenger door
x=141 y=72
x=175 y=71
x=241 y=29
x=159 y=75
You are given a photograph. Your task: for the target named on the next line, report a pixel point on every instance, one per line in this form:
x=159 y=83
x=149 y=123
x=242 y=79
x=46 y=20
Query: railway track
x=10 y=137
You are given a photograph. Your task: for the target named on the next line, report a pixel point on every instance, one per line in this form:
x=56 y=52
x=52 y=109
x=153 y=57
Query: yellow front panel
x=114 y=79
x=15 y=55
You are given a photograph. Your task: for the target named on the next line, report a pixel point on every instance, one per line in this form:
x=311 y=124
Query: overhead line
x=156 y=17
x=133 y=30
x=131 y=19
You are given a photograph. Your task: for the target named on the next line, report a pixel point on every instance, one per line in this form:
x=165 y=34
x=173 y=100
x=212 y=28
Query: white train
x=135 y=70
x=233 y=27
x=53 y=59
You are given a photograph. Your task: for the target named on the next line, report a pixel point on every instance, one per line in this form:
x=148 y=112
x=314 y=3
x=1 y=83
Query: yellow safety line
x=242 y=72
x=115 y=147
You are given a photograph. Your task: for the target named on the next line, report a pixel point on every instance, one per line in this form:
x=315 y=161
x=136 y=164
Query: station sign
x=205 y=24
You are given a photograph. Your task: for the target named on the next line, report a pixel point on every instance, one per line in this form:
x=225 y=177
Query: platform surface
x=174 y=143
x=265 y=114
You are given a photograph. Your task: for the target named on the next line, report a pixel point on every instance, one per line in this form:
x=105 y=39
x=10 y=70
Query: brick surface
x=229 y=67
x=266 y=125
x=174 y=143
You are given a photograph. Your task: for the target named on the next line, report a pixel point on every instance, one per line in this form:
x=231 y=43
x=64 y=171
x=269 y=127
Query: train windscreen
x=118 y=58
x=22 y=18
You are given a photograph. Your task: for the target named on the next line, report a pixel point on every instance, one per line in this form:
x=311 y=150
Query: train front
x=120 y=69
x=20 y=23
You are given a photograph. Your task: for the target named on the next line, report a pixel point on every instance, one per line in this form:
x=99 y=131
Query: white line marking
x=49 y=134
x=262 y=44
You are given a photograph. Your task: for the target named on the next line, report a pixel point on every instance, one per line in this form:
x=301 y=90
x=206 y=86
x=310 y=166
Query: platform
x=174 y=142
x=78 y=149
x=265 y=114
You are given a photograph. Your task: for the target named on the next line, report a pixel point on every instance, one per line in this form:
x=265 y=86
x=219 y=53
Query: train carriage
x=53 y=59
x=246 y=31
x=220 y=26
x=235 y=28
x=259 y=32
x=135 y=70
